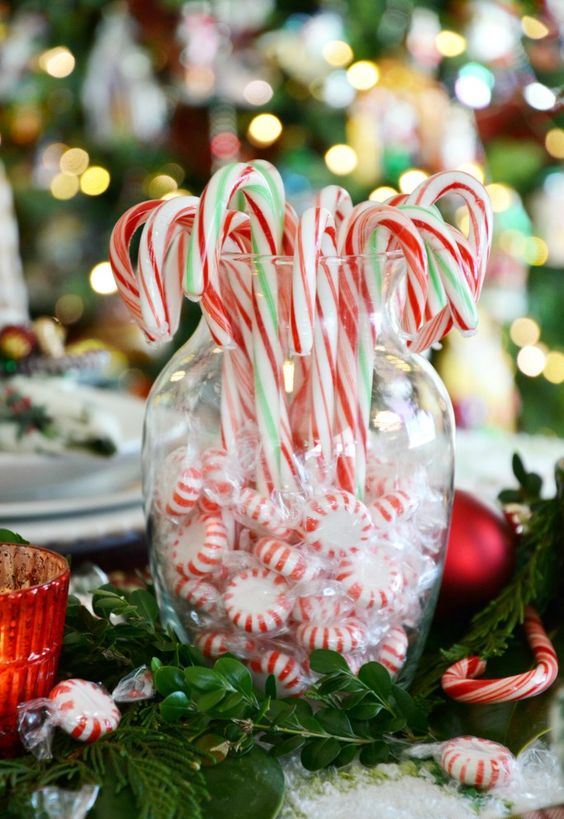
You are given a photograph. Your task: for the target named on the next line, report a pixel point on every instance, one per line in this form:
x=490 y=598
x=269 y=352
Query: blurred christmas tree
x=104 y=104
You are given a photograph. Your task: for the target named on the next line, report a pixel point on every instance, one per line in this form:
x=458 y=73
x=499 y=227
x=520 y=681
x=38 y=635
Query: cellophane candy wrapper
x=60 y=803
x=266 y=546
x=81 y=708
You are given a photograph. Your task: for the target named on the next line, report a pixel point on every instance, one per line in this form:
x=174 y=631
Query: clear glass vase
x=300 y=501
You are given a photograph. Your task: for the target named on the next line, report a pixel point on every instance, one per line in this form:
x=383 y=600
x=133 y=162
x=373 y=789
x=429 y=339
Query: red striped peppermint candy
x=256 y=600
x=371 y=579
x=258 y=512
x=208 y=506
x=200 y=546
x=319 y=608
x=213 y=644
x=283 y=559
x=478 y=762
x=336 y=523
x=84 y=710
x=392 y=651
x=185 y=492
x=286 y=670
x=391 y=507
x=343 y=636
x=200 y=594
x=218 y=482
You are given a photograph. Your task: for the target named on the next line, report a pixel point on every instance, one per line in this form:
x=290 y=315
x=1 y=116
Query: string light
x=474 y=85
x=258 y=92
x=94 y=181
x=533 y=28
x=449 y=43
x=337 y=53
x=58 y=62
x=554 y=367
x=524 y=331
x=363 y=75
x=501 y=197
x=539 y=96
x=341 y=159
x=409 y=180
x=102 y=279
x=64 y=186
x=74 y=160
x=264 y=129
x=382 y=193
x=531 y=360
x=554 y=142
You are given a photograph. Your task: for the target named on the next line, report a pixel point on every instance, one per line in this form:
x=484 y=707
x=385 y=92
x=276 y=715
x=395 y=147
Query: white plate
x=59 y=507
x=76 y=474
x=82 y=532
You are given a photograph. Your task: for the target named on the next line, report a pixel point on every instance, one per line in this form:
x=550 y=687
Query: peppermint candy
x=336 y=524
x=478 y=762
x=218 y=483
x=256 y=600
x=343 y=636
x=321 y=608
x=283 y=559
x=257 y=512
x=392 y=651
x=286 y=670
x=185 y=492
x=200 y=594
x=388 y=509
x=372 y=580
x=84 y=710
x=199 y=546
x=214 y=643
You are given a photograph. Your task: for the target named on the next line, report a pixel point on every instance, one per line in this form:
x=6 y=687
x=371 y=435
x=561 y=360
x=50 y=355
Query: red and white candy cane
x=477 y=202
x=391 y=507
x=478 y=762
x=84 y=710
x=256 y=600
x=336 y=200
x=120 y=260
x=266 y=216
x=459 y=680
x=314 y=321
x=283 y=559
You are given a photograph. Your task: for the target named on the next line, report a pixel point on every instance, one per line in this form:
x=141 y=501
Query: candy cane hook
x=459 y=681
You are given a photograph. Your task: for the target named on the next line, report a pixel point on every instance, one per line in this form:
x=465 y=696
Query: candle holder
x=33 y=597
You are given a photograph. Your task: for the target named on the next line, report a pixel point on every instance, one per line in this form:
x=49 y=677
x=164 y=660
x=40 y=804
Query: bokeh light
x=409 y=180
x=536 y=251
x=258 y=92
x=64 y=186
x=474 y=85
x=341 y=159
x=102 y=279
x=554 y=367
x=94 y=181
x=160 y=185
x=474 y=169
x=554 y=142
x=531 y=360
x=524 y=331
x=264 y=129
x=363 y=75
x=69 y=308
x=74 y=160
x=58 y=62
x=449 y=43
x=337 y=53
x=533 y=28
x=539 y=96
x=501 y=197
x=382 y=193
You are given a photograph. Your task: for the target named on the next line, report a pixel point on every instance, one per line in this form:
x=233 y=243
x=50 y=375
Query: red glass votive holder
x=34 y=586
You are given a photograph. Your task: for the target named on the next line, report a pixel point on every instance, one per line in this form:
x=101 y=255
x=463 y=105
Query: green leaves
x=320 y=753
x=7 y=536
x=245 y=787
x=376 y=677
x=323 y=661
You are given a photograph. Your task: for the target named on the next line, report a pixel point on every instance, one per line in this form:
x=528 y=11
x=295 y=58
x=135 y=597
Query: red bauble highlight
x=480 y=556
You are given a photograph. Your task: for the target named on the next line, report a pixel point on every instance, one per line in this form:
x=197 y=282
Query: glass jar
x=301 y=501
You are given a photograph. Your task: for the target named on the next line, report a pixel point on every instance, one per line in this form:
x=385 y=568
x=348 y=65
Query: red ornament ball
x=16 y=342
x=480 y=556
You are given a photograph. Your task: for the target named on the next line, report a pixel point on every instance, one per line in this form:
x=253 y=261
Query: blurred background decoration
x=103 y=104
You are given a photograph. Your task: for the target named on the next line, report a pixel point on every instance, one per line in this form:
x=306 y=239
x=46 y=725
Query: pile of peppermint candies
x=289 y=533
